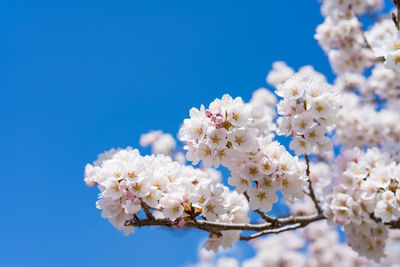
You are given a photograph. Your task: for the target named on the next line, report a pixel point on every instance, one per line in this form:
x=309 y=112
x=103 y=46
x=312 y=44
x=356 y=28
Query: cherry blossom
x=340 y=167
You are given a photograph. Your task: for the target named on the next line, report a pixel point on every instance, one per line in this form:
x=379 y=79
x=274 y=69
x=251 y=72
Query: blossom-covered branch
x=342 y=164
x=215 y=227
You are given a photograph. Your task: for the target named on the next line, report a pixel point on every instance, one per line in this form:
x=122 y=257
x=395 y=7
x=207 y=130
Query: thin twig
x=363 y=34
x=271 y=231
x=299 y=224
x=394 y=17
x=266 y=217
x=301 y=219
x=310 y=188
x=367 y=44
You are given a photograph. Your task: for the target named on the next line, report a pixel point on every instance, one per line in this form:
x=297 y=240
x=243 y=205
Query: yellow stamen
x=239 y=140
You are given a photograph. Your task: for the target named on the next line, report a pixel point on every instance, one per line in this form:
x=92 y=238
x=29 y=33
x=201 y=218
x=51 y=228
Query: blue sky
x=80 y=77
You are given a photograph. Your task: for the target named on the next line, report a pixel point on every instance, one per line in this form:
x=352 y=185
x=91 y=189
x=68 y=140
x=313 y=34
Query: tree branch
x=272 y=225
x=299 y=222
x=394 y=224
x=367 y=44
x=216 y=227
x=394 y=17
x=266 y=218
x=271 y=231
x=146 y=209
x=310 y=188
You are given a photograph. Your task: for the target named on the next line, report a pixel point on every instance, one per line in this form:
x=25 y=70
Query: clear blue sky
x=80 y=77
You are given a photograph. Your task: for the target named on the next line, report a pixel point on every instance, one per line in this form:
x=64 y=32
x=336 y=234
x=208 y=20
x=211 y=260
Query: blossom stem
x=367 y=44
x=266 y=218
x=271 y=231
x=394 y=17
x=310 y=187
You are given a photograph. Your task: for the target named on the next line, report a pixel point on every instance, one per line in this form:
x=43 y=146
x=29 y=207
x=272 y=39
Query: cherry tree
x=340 y=169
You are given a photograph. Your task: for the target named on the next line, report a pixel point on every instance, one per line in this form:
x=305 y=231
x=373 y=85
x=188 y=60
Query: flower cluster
x=383 y=82
x=341 y=36
x=212 y=135
x=263 y=104
x=382 y=85
x=384 y=39
x=227 y=133
x=160 y=143
x=349 y=82
x=308 y=111
x=338 y=33
x=377 y=32
x=130 y=183
x=360 y=124
x=320 y=177
x=316 y=245
x=318 y=239
x=389 y=49
x=209 y=259
x=279 y=250
x=358 y=190
x=236 y=209
x=365 y=194
x=393 y=149
x=281 y=72
x=348 y=8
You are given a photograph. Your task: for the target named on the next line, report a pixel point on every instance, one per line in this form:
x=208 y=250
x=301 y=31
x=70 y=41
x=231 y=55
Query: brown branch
x=271 y=226
x=301 y=219
x=310 y=188
x=394 y=17
x=299 y=223
x=367 y=44
x=266 y=217
x=217 y=226
x=394 y=224
x=391 y=225
x=146 y=209
x=271 y=231
x=148 y=222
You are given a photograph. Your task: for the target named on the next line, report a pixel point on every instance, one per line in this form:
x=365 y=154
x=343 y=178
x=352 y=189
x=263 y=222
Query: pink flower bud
x=213 y=118
x=123 y=185
x=181 y=223
x=130 y=196
x=136 y=201
x=208 y=113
